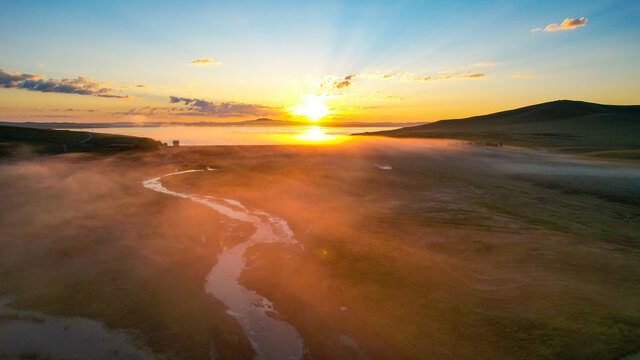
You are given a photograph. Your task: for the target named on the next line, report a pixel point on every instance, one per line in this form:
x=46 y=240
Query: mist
x=403 y=248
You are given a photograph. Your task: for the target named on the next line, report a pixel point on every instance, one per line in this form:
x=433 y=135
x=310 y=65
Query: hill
x=59 y=141
x=572 y=126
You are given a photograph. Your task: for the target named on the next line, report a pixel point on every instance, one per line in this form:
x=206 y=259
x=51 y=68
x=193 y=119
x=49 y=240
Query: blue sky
x=274 y=53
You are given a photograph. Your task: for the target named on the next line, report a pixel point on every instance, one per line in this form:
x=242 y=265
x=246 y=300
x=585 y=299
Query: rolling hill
x=572 y=126
x=48 y=141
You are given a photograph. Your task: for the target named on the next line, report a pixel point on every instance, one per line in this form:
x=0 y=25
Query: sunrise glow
x=343 y=179
x=315 y=135
x=314 y=108
x=347 y=73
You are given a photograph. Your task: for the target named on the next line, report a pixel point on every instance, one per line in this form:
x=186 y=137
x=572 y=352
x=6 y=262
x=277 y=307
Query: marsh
x=310 y=180
x=403 y=248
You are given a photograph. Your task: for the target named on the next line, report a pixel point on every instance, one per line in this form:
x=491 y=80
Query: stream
x=270 y=338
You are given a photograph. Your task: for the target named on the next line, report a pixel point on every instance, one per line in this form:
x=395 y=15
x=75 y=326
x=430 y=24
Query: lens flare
x=315 y=134
x=314 y=108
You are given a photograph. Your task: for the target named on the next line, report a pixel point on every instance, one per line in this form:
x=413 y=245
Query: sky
x=364 y=61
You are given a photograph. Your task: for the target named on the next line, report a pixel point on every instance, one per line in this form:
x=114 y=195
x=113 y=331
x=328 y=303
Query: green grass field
x=49 y=141
x=456 y=252
x=573 y=127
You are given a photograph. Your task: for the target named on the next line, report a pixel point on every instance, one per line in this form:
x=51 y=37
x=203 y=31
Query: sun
x=314 y=108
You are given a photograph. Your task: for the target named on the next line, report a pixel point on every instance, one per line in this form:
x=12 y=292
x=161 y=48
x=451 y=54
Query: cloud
x=486 y=63
x=377 y=76
x=467 y=75
x=50 y=116
x=223 y=109
x=145 y=110
x=536 y=29
x=133 y=86
x=81 y=85
x=75 y=110
x=567 y=24
x=523 y=76
x=345 y=82
x=393 y=97
x=204 y=61
x=341 y=82
x=113 y=96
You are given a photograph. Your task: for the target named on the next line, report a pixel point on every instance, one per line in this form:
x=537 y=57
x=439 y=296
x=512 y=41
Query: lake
x=240 y=135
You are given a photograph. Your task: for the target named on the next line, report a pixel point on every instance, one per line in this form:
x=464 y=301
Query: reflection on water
x=270 y=338
x=28 y=334
x=315 y=134
x=241 y=135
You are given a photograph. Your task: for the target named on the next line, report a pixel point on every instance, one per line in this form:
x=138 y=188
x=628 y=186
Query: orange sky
x=364 y=61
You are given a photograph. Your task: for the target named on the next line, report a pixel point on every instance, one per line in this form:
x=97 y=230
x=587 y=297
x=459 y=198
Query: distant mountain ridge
x=256 y=122
x=567 y=125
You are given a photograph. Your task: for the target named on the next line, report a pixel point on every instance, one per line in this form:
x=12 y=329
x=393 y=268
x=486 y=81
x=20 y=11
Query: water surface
x=270 y=338
x=240 y=135
x=29 y=332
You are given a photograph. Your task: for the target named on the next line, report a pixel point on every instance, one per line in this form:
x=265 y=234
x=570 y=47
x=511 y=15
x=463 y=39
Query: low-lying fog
x=397 y=249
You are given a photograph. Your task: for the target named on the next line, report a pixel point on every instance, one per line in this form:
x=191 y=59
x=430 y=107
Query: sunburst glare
x=315 y=134
x=314 y=108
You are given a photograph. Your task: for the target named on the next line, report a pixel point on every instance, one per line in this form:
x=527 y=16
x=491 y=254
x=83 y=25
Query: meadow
x=17 y=140
x=411 y=248
x=571 y=127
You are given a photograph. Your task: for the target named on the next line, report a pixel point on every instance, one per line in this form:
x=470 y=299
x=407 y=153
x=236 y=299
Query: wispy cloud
x=133 y=86
x=81 y=85
x=523 y=76
x=378 y=76
x=204 y=61
x=49 y=116
x=467 y=75
x=393 y=97
x=485 y=64
x=567 y=24
x=110 y=96
x=223 y=109
x=345 y=82
x=470 y=75
x=145 y=110
x=75 y=110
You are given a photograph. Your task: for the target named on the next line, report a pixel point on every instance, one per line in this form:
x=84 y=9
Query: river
x=270 y=338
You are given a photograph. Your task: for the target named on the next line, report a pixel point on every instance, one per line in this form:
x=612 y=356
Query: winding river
x=270 y=338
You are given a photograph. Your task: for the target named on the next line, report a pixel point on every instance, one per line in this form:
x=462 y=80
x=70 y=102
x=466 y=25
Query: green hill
x=573 y=126
x=59 y=141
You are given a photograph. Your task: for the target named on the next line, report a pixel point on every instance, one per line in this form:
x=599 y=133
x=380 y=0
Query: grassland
x=574 y=127
x=453 y=261
x=83 y=238
x=15 y=139
x=616 y=154
x=456 y=252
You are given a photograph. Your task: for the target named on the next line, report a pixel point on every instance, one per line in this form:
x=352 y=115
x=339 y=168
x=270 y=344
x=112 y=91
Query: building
x=176 y=142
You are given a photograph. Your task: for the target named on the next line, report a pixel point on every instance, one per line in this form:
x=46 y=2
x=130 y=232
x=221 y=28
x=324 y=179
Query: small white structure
x=176 y=142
